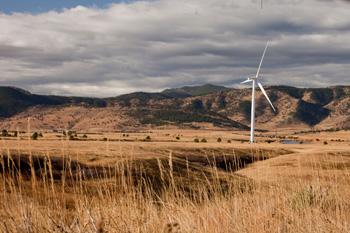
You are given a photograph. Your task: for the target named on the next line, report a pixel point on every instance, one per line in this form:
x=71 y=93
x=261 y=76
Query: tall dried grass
x=165 y=195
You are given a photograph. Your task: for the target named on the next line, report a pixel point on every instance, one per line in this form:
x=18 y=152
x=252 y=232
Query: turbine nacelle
x=249 y=80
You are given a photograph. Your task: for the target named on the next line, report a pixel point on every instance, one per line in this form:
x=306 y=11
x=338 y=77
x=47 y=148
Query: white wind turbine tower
x=255 y=82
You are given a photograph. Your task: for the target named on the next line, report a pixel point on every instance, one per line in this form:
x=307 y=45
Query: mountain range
x=191 y=106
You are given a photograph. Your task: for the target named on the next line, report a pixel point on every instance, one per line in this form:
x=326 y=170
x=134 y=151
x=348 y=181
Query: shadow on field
x=189 y=174
x=181 y=165
x=53 y=167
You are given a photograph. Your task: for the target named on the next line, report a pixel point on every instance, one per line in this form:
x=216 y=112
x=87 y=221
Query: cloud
x=152 y=45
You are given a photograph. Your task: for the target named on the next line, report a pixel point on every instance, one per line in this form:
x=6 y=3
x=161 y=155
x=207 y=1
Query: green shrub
x=35 y=136
x=71 y=133
x=245 y=108
x=196 y=105
x=219 y=140
x=204 y=140
x=221 y=102
x=196 y=140
x=4 y=133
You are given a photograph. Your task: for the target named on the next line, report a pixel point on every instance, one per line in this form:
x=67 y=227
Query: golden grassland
x=124 y=182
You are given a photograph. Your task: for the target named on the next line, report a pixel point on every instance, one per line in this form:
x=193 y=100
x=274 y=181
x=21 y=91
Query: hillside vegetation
x=218 y=106
x=194 y=90
x=14 y=100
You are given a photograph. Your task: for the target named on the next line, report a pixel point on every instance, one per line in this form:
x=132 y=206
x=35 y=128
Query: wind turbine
x=255 y=82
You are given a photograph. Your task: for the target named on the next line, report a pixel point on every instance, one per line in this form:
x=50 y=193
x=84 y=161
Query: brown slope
x=340 y=114
x=235 y=104
x=69 y=118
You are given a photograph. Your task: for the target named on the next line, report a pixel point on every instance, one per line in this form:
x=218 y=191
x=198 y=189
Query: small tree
x=204 y=140
x=148 y=138
x=71 y=133
x=197 y=105
x=35 y=136
x=4 y=133
x=177 y=138
x=229 y=141
x=196 y=140
x=219 y=140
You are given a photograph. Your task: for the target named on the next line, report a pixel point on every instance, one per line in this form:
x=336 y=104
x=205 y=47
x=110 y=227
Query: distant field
x=175 y=181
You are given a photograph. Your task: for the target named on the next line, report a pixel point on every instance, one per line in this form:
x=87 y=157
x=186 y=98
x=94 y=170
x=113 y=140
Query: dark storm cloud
x=158 y=44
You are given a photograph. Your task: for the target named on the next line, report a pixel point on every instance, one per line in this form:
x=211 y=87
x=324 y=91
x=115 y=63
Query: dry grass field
x=176 y=181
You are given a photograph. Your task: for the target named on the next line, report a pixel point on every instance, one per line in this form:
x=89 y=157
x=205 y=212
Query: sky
x=107 y=48
x=40 y=6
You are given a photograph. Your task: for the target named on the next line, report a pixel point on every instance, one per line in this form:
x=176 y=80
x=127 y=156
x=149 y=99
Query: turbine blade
x=263 y=91
x=261 y=61
x=246 y=81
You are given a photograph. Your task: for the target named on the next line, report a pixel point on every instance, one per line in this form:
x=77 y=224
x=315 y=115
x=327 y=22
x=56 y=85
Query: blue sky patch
x=39 y=6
